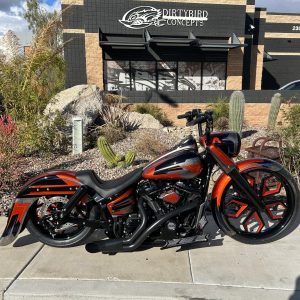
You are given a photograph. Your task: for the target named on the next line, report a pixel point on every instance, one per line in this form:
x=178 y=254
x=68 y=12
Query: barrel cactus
x=236 y=111
x=113 y=159
x=274 y=111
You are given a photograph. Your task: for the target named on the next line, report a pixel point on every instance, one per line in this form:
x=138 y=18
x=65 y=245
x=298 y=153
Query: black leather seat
x=111 y=187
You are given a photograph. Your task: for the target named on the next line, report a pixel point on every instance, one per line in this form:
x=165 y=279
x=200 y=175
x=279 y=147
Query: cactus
x=113 y=159
x=236 y=111
x=129 y=158
x=274 y=111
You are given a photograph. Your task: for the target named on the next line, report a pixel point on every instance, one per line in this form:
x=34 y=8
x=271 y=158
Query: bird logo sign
x=143 y=17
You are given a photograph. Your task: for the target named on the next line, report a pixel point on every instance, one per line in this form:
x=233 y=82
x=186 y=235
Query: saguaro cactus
x=274 y=111
x=113 y=159
x=129 y=158
x=236 y=111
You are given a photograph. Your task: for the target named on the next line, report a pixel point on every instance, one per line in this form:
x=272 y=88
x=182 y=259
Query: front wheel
x=279 y=194
x=41 y=225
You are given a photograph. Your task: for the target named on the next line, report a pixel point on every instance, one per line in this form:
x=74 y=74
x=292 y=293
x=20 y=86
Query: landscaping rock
x=83 y=101
x=141 y=121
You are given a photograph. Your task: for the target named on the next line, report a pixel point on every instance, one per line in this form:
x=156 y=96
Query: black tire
x=291 y=223
x=73 y=241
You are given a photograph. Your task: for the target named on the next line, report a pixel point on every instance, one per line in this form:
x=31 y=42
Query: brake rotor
x=46 y=209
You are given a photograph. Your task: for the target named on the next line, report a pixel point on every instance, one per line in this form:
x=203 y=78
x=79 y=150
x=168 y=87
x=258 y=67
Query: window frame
x=176 y=71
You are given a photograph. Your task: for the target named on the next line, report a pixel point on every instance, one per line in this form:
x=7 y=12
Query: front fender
x=256 y=163
x=54 y=183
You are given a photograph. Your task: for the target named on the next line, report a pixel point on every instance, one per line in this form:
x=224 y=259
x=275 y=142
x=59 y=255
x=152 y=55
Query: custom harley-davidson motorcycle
x=253 y=201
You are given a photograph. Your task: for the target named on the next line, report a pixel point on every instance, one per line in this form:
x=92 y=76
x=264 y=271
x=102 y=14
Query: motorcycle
x=253 y=201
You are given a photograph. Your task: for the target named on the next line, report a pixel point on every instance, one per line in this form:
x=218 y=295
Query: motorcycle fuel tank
x=175 y=165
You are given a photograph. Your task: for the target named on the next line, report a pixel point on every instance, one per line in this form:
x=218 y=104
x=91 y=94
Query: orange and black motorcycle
x=165 y=203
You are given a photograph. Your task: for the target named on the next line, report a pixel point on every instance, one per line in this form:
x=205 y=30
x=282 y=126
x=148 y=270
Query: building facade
x=180 y=48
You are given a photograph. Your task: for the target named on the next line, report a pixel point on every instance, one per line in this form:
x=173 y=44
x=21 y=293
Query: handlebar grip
x=182 y=116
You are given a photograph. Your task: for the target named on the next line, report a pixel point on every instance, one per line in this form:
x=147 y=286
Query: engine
x=161 y=197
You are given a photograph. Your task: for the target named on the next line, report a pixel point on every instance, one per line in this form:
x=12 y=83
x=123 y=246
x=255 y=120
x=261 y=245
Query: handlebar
x=197 y=117
x=183 y=116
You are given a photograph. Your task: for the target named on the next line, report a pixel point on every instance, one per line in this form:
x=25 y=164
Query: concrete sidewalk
x=224 y=270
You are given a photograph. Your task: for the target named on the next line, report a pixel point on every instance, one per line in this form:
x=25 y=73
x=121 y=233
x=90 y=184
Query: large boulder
x=138 y=120
x=83 y=101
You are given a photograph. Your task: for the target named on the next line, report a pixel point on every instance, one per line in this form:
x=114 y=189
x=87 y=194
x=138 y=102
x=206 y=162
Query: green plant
x=111 y=133
x=113 y=159
x=129 y=158
x=114 y=112
x=27 y=83
x=236 y=111
x=290 y=137
x=274 y=111
x=149 y=144
x=221 y=113
x=37 y=18
x=154 y=111
x=43 y=136
x=220 y=108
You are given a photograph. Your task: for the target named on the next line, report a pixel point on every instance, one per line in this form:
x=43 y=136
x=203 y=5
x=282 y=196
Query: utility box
x=77 y=135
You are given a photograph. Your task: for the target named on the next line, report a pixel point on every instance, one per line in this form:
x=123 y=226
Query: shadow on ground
x=25 y=241
x=296 y=295
x=216 y=239
x=248 y=133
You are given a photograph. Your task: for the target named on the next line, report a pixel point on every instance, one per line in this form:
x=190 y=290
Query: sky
x=11 y=12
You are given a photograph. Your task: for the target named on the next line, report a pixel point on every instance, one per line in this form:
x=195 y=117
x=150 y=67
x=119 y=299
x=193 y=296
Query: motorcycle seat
x=108 y=188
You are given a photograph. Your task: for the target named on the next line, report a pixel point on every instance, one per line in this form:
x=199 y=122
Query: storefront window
x=189 y=76
x=166 y=76
x=118 y=75
x=214 y=76
x=143 y=75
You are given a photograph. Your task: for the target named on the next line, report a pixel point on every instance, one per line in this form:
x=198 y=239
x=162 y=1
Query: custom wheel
x=42 y=225
x=279 y=195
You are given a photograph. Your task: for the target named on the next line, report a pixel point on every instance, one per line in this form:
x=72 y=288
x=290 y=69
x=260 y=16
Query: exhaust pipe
x=131 y=244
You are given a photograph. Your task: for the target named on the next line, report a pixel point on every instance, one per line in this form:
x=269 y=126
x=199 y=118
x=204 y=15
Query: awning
x=268 y=57
x=190 y=41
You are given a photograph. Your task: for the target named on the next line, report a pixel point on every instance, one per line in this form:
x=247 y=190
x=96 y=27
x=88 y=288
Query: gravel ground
x=92 y=159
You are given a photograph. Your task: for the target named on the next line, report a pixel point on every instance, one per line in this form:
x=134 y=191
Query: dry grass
x=149 y=144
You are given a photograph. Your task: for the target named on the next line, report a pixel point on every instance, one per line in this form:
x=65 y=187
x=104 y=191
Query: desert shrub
x=149 y=144
x=114 y=112
x=221 y=113
x=43 y=136
x=9 y=171
x=154 y=111
x=111 y=133
x=27 y=83
x=290 y=137
x=222 y=123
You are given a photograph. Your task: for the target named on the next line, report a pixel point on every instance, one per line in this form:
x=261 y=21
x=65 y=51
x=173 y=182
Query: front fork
x=230 y=169
x=201 y=220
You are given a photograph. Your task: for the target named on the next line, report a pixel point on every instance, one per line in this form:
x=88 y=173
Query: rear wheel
x=279 y=195
x=46 y=230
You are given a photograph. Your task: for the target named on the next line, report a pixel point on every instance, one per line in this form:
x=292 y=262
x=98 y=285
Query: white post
x=77 y=135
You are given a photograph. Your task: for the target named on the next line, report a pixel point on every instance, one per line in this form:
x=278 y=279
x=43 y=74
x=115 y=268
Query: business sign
x=145 y=16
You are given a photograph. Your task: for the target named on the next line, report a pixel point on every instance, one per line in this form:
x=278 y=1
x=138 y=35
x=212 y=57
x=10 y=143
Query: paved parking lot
x=224 y=270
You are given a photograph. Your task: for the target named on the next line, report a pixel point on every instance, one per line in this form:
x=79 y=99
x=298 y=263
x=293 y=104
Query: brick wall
x=94 y=60
x=255 y=114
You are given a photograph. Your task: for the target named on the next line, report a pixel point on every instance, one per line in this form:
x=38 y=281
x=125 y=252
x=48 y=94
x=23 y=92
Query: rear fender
x=55 y=183
x=243 y=165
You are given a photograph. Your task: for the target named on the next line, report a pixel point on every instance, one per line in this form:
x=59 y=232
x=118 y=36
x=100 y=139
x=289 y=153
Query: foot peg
x=186 y=241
